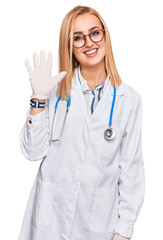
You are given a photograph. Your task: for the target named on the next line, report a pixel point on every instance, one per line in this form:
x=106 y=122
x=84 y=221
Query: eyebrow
x=88 y=30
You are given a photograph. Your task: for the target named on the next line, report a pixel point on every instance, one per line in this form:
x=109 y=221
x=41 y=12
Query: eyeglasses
x=95 y=36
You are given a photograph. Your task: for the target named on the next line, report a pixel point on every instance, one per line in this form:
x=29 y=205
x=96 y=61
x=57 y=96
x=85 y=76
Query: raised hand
x=40 y=77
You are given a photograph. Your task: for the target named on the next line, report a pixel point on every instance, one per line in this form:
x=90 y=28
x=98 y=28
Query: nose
x=88 y=42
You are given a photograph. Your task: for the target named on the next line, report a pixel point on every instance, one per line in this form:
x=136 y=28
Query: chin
x=92 y=62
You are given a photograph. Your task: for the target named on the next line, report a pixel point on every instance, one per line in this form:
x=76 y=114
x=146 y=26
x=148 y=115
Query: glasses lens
x=78 y=41
x=97 y=35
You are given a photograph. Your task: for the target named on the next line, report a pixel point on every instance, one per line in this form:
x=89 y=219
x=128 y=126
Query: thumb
x=57 y=78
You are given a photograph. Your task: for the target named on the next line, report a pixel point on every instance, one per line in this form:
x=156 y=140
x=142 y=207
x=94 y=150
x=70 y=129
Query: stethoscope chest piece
x=109 y=134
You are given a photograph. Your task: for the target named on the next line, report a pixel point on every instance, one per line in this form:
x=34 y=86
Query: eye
x=77 y=38
x=95 y=33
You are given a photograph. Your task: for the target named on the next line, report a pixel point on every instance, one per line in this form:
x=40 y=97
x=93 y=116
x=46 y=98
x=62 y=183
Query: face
x=91 y=54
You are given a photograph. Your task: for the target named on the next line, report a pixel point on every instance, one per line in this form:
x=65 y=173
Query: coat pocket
x=104 y=211
x=110 y=147
x=42 y=206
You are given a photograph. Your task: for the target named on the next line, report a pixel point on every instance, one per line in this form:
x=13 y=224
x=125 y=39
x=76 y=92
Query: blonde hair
x=68 y=62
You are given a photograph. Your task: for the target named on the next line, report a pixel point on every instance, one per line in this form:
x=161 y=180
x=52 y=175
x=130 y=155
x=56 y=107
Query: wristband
x=37 y=104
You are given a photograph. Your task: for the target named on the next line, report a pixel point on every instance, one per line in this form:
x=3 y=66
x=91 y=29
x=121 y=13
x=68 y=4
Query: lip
x=93 y=54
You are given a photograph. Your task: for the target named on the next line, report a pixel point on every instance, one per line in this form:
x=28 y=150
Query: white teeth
x=90 y=52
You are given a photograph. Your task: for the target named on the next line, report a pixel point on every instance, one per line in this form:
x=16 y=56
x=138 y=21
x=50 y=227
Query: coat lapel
x=104 y=103
x=78 y=97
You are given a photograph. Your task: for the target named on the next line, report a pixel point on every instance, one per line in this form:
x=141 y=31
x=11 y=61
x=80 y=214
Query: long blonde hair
x=68 y=62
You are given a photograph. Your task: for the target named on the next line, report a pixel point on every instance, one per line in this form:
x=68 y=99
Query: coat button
x=30 y=121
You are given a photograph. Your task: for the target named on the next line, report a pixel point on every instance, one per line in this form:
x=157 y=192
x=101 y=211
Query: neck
x=94 y=75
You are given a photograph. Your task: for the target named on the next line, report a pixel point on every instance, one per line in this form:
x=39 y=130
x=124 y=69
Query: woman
x=90 y=183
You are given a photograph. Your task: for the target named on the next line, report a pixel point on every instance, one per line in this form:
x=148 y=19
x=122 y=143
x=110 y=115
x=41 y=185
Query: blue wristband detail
x=37 y=104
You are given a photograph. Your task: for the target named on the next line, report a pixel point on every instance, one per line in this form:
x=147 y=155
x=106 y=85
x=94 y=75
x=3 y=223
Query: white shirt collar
x=84 y=84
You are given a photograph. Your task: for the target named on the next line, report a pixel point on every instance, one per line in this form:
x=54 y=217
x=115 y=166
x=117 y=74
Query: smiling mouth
x=91 y=51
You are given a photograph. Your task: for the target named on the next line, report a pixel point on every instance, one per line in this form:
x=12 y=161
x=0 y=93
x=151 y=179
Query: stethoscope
x=67 y=109
x=109 y=133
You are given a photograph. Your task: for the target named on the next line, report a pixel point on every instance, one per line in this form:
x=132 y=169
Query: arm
x=34 y=136
x=131 y=180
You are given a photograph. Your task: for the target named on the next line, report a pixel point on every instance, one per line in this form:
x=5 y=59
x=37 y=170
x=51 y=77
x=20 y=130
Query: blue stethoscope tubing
x=68 y=102
x=109 y=133
x=56 y=105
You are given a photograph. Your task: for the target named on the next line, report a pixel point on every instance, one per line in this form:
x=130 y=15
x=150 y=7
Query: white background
x=137 y=39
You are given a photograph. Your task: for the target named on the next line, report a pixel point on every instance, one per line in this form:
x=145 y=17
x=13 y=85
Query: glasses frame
x=84 y=37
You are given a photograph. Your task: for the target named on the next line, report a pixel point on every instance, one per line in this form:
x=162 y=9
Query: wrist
x=38 y=100
x=37 y=104
x=34 y=110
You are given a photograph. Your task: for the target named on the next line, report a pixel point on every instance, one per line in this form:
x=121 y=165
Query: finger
x=35 y=60
x=49 y=60
x=42 y=59
x=28 y=66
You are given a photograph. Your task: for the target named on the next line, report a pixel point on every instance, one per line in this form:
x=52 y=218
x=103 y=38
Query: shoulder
x=130 y=94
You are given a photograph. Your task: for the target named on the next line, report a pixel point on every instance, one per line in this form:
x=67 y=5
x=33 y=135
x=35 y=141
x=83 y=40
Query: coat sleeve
x=131 y=180
x=34 y=136
x=119 y=237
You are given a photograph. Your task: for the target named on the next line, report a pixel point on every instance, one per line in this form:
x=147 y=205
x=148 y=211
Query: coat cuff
x=35 y=118
x=124 y=229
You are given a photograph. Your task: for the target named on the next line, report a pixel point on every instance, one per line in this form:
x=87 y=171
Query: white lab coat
x=86 y=188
